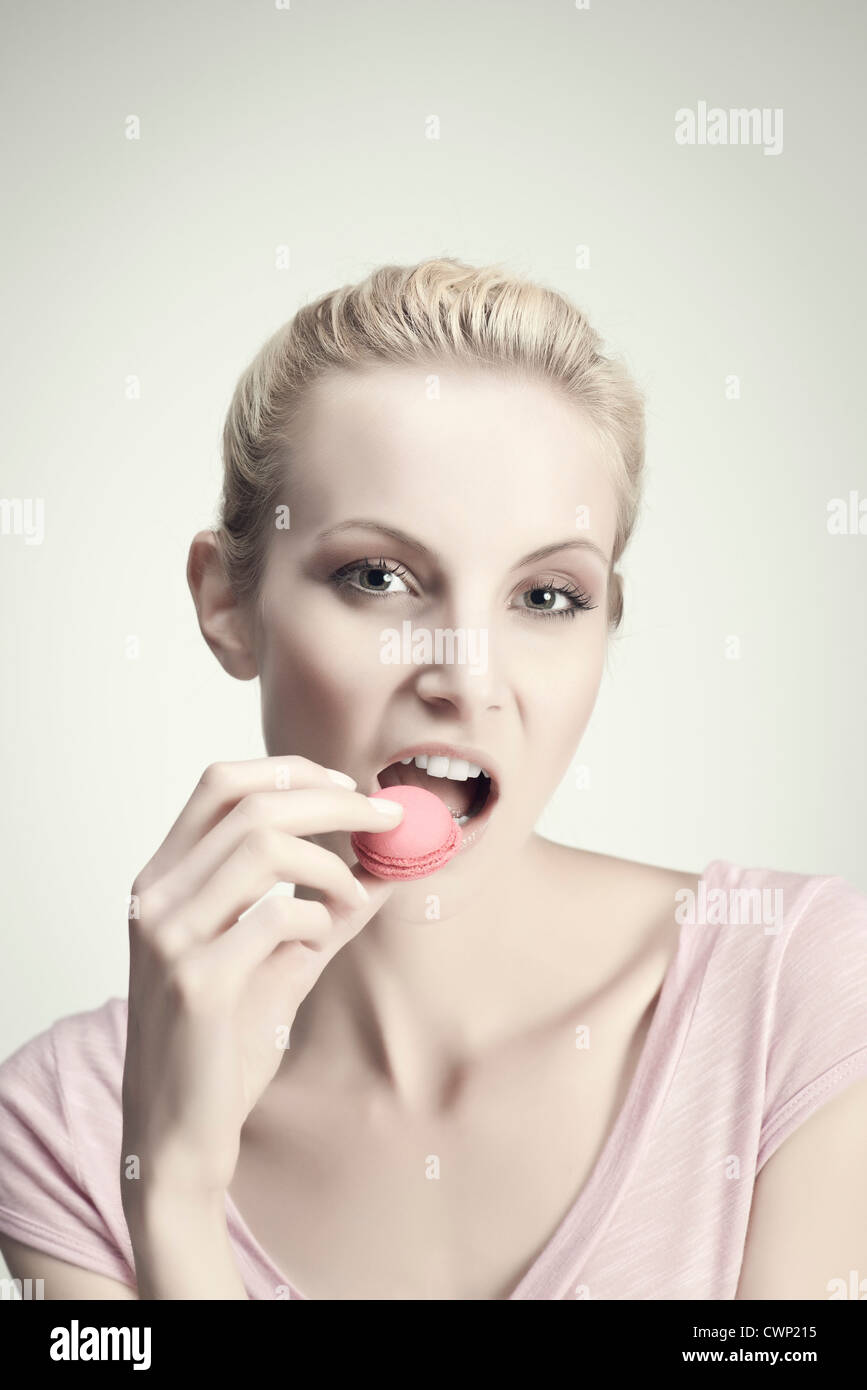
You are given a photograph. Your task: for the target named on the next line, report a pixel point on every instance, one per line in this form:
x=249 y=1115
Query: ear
x=225 y=624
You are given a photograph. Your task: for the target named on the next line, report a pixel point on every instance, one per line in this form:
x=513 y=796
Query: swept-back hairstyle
x=440 y=310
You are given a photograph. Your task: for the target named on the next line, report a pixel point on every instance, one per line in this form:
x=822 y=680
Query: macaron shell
x=426 y=839
x=416 y=866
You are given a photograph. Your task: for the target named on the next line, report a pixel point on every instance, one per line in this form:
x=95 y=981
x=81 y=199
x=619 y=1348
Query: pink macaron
x=427 y=837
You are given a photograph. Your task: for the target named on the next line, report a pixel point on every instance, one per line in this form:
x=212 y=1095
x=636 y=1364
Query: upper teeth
x=458 y=769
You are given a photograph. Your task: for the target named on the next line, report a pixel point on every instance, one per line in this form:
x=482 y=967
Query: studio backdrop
x=179 y=179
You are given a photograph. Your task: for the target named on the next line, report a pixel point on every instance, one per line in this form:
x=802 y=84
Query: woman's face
x=476 y=473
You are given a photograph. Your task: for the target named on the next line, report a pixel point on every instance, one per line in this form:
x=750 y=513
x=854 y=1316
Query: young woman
x=539 y=1072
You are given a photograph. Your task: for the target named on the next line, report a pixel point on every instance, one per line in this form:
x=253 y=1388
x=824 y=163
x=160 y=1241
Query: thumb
x=378 y=891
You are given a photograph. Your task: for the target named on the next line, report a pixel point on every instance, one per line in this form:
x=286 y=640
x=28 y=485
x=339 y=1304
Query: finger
x=285 y=931
x=377 y=889
x=219 y=788
x=264 y=857
x=276 y=921
x=299 y=813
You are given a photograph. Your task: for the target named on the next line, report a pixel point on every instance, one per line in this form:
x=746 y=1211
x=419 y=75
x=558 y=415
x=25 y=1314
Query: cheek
x=328 y=639
x=568 y=652
x=319 y=669
x=561 y=683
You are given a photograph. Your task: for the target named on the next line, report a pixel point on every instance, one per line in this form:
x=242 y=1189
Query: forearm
x=181 y=1246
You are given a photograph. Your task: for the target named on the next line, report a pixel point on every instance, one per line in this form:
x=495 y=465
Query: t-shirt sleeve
x=44 y=1202
x=818 y=1042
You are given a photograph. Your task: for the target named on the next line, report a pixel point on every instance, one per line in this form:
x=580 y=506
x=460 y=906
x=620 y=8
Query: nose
x=460 y=673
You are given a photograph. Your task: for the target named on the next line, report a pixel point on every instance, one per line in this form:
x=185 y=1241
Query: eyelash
x=578 y=600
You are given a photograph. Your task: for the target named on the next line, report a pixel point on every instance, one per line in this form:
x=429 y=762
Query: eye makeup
x=546 y=588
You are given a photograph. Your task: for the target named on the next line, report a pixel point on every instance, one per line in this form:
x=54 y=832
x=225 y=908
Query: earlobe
x=224 y=623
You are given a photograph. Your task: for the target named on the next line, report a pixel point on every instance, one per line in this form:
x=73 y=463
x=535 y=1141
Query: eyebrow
x=572 y=543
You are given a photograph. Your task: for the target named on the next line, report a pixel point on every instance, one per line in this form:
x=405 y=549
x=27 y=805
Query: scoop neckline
x=584 y=1221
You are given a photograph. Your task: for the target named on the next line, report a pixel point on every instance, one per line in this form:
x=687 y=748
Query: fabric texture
x=761 y=1019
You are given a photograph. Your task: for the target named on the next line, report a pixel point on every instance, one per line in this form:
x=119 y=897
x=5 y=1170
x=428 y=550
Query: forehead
x=459 y=444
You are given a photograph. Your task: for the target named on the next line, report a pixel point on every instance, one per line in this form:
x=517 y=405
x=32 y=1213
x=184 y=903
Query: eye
x=555 y=600
x=381 y=577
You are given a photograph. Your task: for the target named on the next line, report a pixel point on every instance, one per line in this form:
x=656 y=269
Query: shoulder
x=636 y=902
x=60 y=1094
x=818 y=977
x=647 y=892
x=814 y=1131
x=791 y=950
x=60 y=1133
x=61 y=1083
x=89 y=1043
x=797 y=1248
x=609 y=872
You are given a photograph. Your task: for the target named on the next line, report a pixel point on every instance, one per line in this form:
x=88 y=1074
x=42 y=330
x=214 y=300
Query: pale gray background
x=306 y=128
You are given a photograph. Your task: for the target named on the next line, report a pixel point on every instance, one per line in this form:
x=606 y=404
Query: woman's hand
x=211 y=998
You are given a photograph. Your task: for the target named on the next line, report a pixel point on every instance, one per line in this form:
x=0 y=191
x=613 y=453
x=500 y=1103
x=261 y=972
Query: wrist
x=160 y=1203
x=172 y=1180
x=181 y=1244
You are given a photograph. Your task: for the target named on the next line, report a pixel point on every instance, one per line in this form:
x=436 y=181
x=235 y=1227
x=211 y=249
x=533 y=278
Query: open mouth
x=465 y=788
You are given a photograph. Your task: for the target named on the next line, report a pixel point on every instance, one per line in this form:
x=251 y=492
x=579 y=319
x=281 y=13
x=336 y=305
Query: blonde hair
x=438 y=310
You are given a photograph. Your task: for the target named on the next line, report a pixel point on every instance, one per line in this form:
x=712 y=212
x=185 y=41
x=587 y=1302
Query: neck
x=429 y=984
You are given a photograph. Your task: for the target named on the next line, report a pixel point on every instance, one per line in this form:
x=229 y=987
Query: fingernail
x=362 y=892
x=386 y=808
x=341 y=778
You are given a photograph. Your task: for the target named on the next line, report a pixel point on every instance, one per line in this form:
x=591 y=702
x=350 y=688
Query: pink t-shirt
x=762 y=1018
